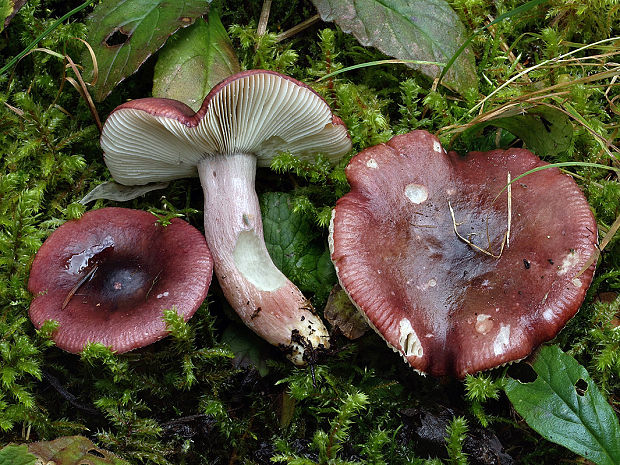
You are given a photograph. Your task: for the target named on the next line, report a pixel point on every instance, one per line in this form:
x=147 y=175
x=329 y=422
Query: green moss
x=189 y=399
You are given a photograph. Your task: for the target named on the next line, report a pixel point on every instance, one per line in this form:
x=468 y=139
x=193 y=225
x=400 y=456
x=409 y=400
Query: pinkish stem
x=264 y=298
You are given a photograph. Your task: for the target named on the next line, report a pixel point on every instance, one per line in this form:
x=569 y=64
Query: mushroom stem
x=267 y=302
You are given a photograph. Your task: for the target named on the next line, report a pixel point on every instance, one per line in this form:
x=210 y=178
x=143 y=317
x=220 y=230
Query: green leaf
x=544 y=130
x=16 y=455
x=426 y=30
x=295 y=246
x=111 y=190
x=73 y=450
x=193 y=61
x=249 y=349
x=565 y=406
x=124 y=33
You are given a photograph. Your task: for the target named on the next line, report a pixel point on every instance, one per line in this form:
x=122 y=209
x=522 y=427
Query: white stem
x=264 y=298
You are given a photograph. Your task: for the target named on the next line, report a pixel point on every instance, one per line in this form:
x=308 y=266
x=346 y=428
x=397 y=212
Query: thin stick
x=505 y=240
x=74 y=289
x=155 y=279
x=298 y=28
x=83 y=90
x=509 y=209
x=264 y=18
x=470 y=243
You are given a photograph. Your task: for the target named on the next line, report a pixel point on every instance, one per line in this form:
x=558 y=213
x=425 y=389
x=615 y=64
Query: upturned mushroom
x=454 y=277
x=108 y=276
x=243 y=122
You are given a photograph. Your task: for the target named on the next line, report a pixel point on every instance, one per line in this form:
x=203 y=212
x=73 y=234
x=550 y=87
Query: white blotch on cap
x=484 y=324
x=502 y=339
x=372 y=163
x=548 y=314
x=409 y=340
x=571 y=260
x=416 y=193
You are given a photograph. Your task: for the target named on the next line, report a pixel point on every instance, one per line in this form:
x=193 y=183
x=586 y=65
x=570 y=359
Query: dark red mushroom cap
x=109 y=276
x=448 y=307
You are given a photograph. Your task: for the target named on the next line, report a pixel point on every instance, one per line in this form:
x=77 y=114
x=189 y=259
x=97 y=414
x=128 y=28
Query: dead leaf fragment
x=342 y=314
x=73 y=450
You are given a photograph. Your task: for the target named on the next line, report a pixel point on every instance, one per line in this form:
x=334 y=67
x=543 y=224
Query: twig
x=264 y=18
x=298 y=28
x=83 y=90
x=15 y=110
x=505 y=240
x=467 y=241
x=74 y=289
x=79 y=85
x=72 y=399
x=509 y=210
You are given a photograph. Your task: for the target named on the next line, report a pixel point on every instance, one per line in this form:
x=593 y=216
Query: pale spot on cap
x=502 y=340
x=430 y=283
x=484 y=324
x=372 y=163
x=549 y=314
x=571 y=260
x=416 y=193
x=437 y=146
x=409 y=340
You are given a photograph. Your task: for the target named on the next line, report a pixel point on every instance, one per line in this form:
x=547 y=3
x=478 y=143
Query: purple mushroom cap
x=109 y=276
x=421 y=246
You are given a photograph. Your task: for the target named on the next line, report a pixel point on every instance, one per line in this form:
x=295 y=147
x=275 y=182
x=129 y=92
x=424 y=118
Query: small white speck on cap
x=416 y=193
x=372 y=163
x=484 y=323
x=576 y=282
x=430 y=283
x=548 y=314
x=437 y=146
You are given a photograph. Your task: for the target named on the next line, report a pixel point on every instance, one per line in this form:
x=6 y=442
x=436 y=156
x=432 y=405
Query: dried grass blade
x=608 y=237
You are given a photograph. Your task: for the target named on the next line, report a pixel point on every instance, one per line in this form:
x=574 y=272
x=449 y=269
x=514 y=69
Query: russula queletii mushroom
x=109 y=276
x=243 y=122
x=454 y=277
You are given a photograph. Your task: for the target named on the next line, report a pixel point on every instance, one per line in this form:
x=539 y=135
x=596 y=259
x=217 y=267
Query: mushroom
x=242 y=123
x=454 y=277
x=108 y=276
